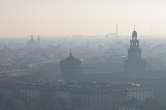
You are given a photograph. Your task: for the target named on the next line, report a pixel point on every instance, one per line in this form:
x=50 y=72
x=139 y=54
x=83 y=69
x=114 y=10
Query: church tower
x=134 y=62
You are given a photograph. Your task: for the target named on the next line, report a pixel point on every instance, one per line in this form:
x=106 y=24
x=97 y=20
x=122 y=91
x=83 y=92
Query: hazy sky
x=67 y=17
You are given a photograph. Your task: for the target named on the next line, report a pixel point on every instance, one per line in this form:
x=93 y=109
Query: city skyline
x=77 y=17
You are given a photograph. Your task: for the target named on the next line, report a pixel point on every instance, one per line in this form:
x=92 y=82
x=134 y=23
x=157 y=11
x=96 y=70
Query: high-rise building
x=134 y=62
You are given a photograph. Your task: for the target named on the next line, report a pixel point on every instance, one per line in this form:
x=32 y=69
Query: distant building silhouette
x=134 y=63
x=70 y=68
x=32 y=43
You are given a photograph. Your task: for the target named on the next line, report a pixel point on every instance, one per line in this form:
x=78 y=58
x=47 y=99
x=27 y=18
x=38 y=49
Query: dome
x=134 y=34
x=71 y=60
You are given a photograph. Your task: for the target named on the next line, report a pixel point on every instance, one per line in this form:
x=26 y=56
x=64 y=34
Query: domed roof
x=71 y=60
x=134 y=33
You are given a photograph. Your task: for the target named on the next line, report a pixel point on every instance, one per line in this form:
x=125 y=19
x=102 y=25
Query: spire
x=134 y=42
x=134 y=34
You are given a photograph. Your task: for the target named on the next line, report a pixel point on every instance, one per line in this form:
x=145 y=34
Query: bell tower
x=134 y=62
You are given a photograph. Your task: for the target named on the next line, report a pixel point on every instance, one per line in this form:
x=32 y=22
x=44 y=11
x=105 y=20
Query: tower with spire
x=134 y=62
x=33 y=43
